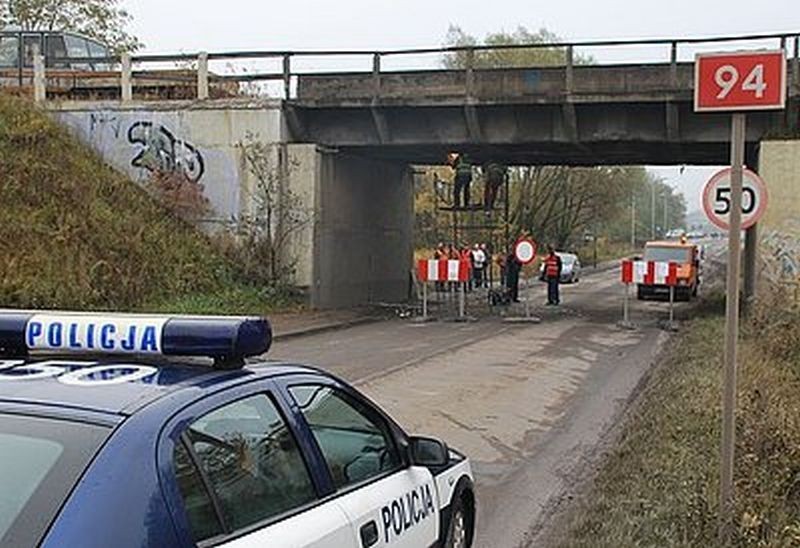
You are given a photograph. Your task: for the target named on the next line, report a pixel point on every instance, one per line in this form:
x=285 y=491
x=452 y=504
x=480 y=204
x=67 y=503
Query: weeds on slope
x=659 y=486
x=76 y=234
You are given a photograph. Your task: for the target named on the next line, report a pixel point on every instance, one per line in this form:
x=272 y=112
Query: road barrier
x=648 y=273
x=443 y=270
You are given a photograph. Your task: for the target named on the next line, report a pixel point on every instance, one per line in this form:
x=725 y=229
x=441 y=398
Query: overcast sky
x=193 y=25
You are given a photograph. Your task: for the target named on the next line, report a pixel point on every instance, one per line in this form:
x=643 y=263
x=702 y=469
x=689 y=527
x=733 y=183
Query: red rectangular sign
x=740 y=81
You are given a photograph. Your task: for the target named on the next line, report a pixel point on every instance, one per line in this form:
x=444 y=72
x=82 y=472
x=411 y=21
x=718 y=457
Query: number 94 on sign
x=717 y=198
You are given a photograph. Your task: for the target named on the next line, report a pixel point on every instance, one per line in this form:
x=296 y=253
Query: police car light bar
x=227 y=339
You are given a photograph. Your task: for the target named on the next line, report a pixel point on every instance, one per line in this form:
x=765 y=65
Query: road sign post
x=626 y=314
x=735 y=82
x=731 y=329
x=425 y=301
x=525 y=252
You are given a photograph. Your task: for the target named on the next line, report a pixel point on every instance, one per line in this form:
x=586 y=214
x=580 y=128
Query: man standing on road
x=478 y=265
x=513 y=267
x=552 y=273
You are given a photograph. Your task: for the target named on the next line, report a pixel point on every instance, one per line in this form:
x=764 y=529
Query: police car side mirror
x=428 y=452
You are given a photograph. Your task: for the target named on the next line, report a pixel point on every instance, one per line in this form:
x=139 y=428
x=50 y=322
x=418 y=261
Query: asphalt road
x=529 y=404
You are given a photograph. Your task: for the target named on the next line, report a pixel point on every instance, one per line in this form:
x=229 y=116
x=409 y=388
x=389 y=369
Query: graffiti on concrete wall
x=162 y=151
x=105 y=120
x=783 y=256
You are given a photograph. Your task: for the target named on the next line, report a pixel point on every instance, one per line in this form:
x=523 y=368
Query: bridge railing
x=276 y=73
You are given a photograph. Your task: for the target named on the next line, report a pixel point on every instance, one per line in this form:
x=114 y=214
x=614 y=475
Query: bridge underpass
x=362 y=130
x=572 y=115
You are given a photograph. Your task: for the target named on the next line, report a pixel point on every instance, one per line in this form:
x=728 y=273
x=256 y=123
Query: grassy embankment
x=659 y=486
x=75 y=234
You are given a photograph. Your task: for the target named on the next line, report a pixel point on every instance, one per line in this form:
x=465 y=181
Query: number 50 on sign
x=717 y=198
x=751 y=80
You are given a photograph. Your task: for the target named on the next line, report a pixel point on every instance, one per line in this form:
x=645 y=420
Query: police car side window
x=251 y=462
x=355 y=441
x=203 y=519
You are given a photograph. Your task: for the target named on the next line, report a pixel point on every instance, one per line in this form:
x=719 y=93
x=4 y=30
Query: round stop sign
x=717 y=198
x=525 y=250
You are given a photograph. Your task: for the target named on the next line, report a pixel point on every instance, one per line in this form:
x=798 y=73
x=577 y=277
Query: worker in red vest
x=552 y=273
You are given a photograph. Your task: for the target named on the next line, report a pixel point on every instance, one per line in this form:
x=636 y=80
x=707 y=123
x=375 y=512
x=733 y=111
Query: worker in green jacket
x=463 y=169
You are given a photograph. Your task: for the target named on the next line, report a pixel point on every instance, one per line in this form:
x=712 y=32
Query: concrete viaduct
x=344 y=141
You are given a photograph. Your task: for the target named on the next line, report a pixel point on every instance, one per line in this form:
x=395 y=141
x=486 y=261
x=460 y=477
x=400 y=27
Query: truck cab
x=687 y=257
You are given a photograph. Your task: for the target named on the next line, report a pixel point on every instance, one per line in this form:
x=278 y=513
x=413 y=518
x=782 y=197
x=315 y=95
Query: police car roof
x=184 y=380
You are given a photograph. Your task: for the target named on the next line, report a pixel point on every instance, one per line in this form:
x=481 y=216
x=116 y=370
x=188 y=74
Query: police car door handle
x=369 y=534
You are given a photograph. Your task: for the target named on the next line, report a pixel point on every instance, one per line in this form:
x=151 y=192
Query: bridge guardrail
x=194 y=67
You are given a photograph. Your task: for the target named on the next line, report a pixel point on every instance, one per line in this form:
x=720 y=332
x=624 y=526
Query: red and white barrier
x=649 y=273
x=443 y=270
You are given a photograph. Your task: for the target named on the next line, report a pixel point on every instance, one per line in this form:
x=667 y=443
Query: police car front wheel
x=458 y=534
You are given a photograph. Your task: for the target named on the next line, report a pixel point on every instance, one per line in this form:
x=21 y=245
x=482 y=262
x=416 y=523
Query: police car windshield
x=40 y=461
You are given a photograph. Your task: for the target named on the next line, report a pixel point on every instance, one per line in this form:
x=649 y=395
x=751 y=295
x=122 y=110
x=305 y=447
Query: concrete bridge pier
x=363 y=233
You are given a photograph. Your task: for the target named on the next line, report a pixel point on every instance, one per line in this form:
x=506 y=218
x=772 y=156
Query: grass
x=237 y=299
x=76 y=234
x=659 y=485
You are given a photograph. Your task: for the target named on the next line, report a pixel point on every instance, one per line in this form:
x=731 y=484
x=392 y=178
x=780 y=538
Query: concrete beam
x=672 y=122
x=39 y=86
x=126 y=79
x=202 y=76
x=294 y=123
x=473 y=123
x=570 y=121
x=381 y=126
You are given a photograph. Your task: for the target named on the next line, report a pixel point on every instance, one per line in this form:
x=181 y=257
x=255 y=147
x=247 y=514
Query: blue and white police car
x=117 y=430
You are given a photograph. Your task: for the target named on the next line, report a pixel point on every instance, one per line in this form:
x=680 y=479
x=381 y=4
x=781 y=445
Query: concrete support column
x=363 y=233
x=126 y=79
x=202 y=76
x=750 y=267
x=39 y=86
x=750 y=258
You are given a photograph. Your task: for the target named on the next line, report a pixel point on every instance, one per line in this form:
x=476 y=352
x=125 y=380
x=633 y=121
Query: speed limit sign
x=525 y=250
x=717 y=198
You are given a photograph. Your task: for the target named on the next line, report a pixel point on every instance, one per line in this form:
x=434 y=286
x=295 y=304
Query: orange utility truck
x=686 y=255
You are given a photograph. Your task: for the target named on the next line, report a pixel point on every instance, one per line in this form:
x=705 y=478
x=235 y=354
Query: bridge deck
x=587 y=83
x=585 y=114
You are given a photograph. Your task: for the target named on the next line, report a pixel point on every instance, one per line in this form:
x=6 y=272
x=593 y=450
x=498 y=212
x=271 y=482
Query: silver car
x=570 y=268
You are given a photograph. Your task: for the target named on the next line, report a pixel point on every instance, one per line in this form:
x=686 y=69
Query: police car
x=117 y=430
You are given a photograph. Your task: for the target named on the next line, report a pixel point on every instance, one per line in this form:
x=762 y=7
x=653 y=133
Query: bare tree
x=276 y=216
x=103 y=20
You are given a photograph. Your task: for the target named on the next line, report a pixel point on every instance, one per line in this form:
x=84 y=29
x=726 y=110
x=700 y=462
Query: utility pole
x=633 y=221
x=666 y=210
x=653 y=209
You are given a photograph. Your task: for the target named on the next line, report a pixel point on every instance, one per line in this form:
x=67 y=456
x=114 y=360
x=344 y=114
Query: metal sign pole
x=731 y=330
x=424 y=300
x=671 y=305
x=527 y=297
x=461 y=298
x=625 y=310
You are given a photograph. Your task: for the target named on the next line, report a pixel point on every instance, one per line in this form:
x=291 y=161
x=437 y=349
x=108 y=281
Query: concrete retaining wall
x=200 y=141
x=353 y=244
